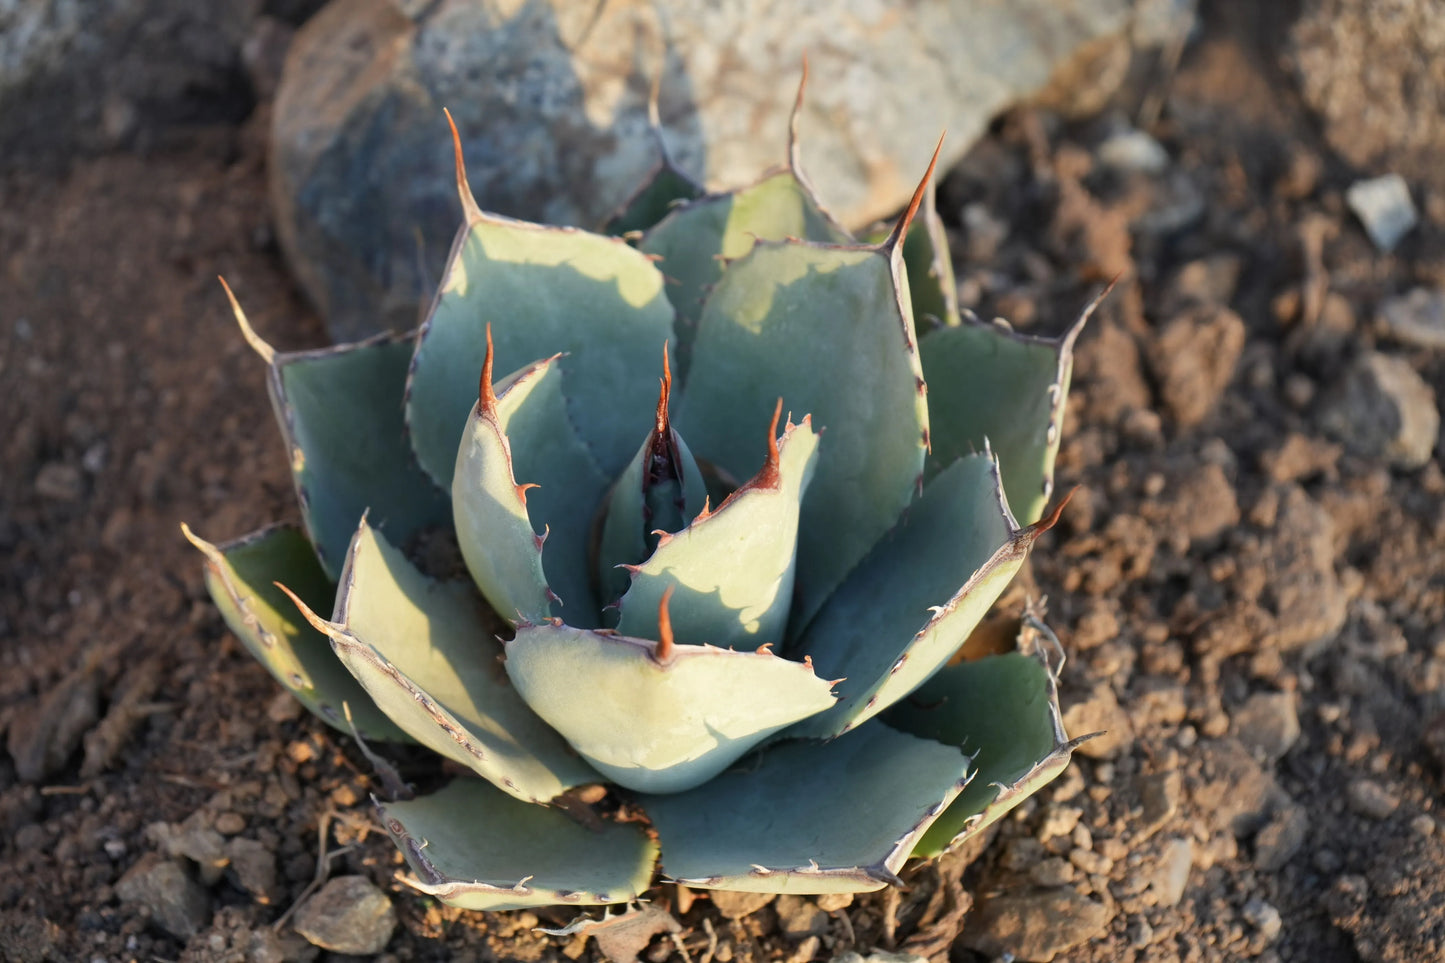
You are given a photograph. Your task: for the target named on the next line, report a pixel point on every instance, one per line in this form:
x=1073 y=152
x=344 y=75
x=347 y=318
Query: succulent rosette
x=732 y=517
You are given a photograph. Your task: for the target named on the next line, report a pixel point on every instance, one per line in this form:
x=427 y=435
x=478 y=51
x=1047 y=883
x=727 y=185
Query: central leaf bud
x=660 y=492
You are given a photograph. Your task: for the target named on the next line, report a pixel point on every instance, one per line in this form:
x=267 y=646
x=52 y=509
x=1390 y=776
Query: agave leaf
x=925 y=256
x=664 y=189
x=653 y=716
x=930 y=267
x=806 y=817
x=828 y=330
x=340 y=412
x=426 y=653
x=474 y=847
x=731 y=571
x=1004 y=711
x=696 y=240
x=525 y=437
x=990 y=385
x=239 y=577
x=660 y=491
x=542 y=290
x=918 y=594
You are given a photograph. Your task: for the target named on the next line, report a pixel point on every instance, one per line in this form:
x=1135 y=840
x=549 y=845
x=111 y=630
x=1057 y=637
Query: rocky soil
x=1249 y=582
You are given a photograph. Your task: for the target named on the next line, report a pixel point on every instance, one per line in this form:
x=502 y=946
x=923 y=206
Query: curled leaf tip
x=654 y=98
x=895 y=237
x=486 y=395
x=768 y=474
x=1072 y=335
x=464 y=190
x=258 y=344
x=1052 y=519
x=317 y=622
x=664 y=395
x=794 y=149
x=665 y=646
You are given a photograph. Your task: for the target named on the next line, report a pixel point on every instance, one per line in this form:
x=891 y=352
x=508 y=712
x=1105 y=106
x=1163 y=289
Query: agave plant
x=748 y=631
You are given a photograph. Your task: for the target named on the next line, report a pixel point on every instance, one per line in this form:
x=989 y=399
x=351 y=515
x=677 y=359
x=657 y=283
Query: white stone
x=1384 y=207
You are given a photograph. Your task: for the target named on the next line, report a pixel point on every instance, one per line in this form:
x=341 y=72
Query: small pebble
x=735 y=906
x=1264 y=918
x=347 y=915
x=1133 y=152
x=59 y=482
x=1090 y=862
x=1384 y=207
x=176 y=902
x=1368 y=798
x=1171 y=875
x=1020 y=853
x=1267 y=724
x=805 y=951
x=1159 y=799
x=1100 y=712
x=1383 y=409
x=1059 y=821
x=229 y=824
x=1416 y=318
x=1052 y=872
x=1140 y=933
x=1034 y=924
x=1281 y=838
x=799 y=918
x=877 y=956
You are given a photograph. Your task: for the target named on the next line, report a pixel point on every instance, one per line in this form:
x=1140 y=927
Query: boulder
x=86 y=75
x=551 y=101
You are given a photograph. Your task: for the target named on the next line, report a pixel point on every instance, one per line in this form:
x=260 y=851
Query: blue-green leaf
x=654 y=716
x=527 y=549
x=240 y=576
x=990 y=385
x=806 y=817
x=474 y=847
x=914 y=600
x=731 y=572
x=543 y=290
x=696 y=240
x=427 y=653
x=1002 y=710
x=340 y=412
x=828 y=330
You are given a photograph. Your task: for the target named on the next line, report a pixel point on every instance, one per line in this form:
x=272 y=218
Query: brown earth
x=1253 y=610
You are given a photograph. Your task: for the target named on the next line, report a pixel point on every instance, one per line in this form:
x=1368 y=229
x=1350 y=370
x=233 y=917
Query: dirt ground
x=1252 y=602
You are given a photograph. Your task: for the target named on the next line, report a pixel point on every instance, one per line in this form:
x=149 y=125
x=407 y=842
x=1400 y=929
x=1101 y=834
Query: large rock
x=81 y=75
x=551 y=100
x=1374 y=70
